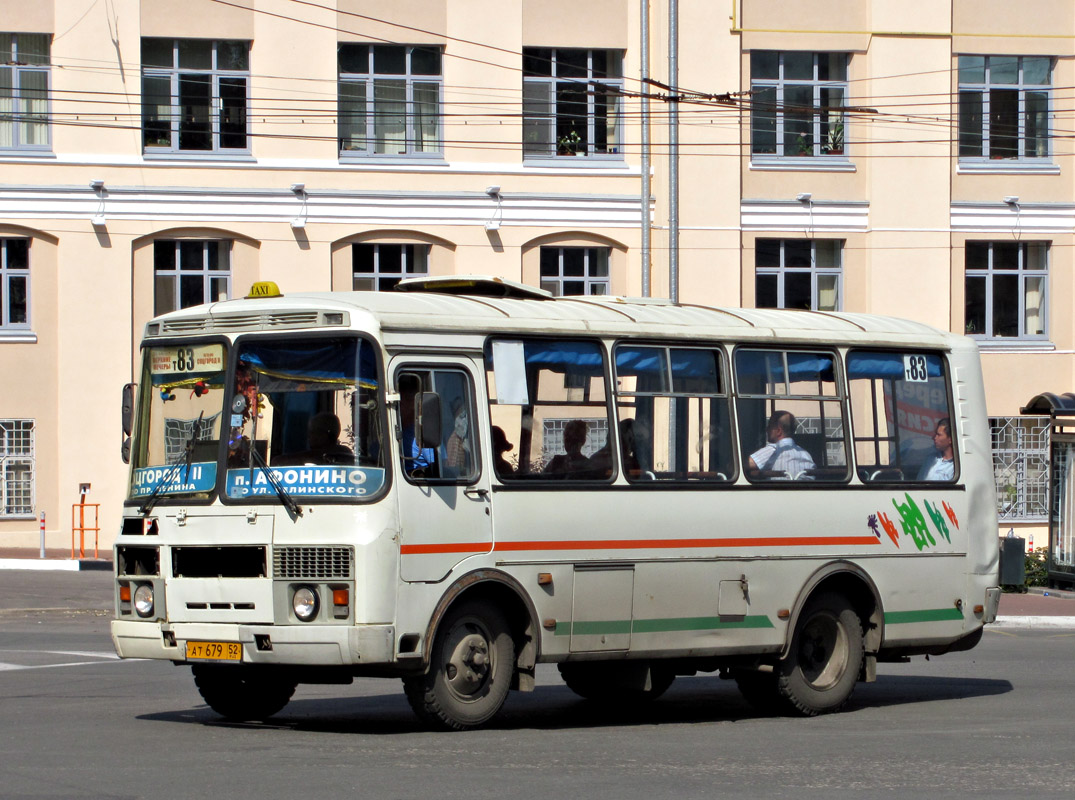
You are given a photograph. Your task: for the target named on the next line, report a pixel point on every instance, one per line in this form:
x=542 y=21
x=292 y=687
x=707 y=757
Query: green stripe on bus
x=925 y=615
x=660 y=625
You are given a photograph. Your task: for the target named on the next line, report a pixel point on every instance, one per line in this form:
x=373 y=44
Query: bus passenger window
x=791 y=424
x=901 y=417
x=437 y=437
x=674 y=414
x=549 y=410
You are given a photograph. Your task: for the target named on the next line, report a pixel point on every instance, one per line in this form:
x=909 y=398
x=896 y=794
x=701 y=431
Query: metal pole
x=673 y=151
x=646 y=190
x=42 y=534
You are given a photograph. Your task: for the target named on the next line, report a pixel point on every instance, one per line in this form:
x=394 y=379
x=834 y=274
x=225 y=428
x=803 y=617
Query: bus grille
x=325 y=563
x=263 y=321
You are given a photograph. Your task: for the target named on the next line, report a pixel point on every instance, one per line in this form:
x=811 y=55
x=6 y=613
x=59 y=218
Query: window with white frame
x=1006 y=285
x=389 y=100
x=572 y=102
x=14 y=284
x=24 y=91
x=797 y=102
x=1004 y=107
x=798 y=273
x=189 y=272
x=575 y=270
x=195 y=94
x=379 y=267
x=16 y=467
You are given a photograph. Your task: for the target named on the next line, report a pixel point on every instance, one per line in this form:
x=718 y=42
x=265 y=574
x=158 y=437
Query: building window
x=195 y=94
x=389 y=100
x=189 y=272
x=1021 y=467
x=16 y=467
x=14 y=283
x=797 y=103
x=572 y=102
x=575 y=270
x=798 y=273
x=1006 y=289
x=24 y=91
x=379 y=267
x=1004 y=107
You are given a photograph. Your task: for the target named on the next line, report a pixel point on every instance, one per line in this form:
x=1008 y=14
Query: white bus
x=455 y=482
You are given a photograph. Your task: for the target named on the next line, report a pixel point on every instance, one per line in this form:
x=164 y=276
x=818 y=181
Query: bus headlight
x=305 y=603
x=143 y=600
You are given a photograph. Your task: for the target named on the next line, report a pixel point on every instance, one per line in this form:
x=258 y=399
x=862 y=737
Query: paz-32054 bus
x=458 y=481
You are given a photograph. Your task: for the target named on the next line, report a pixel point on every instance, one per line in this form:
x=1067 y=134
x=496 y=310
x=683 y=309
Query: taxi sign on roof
x=263 y=289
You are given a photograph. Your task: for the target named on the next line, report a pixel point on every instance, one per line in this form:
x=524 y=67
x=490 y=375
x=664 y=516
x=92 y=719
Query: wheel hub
x=467 y=669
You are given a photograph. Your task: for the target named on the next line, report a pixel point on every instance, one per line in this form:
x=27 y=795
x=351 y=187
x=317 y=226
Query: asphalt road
x=77 y=723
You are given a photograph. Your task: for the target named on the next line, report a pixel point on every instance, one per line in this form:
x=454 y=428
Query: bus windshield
x=304 y=419
x=179 y=414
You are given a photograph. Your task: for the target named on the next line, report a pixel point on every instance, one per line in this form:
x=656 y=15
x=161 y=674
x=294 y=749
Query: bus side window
x=437 y=436
x=791 y=423
x=674 y=414
x=901 y=417
x=549 y=410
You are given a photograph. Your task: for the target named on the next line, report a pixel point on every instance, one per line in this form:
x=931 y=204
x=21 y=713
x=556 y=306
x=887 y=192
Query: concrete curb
x=55 y=564
x=1038 y=623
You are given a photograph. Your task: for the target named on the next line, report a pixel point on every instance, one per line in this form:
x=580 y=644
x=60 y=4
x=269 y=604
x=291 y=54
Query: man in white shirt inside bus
x=941 y=465
x=781 y=457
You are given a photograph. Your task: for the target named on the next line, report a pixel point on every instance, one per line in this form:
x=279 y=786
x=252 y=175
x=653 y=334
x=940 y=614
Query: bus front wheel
x=469 y=672
x=243 y=693
x=822 y=667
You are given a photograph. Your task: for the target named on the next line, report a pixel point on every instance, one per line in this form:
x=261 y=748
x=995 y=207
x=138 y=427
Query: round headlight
x=305 y=603
x=143 y=600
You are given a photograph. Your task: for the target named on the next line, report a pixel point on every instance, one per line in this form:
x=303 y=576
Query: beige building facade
x=913 y=159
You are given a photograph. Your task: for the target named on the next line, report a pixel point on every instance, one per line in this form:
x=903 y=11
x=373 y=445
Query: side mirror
x=127 y=417
x=127 y=407
x=428 y=419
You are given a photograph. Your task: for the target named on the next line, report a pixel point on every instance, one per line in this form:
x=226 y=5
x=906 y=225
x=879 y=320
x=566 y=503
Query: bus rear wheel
x=243 y=693
x=469 y=672
x=821 y=669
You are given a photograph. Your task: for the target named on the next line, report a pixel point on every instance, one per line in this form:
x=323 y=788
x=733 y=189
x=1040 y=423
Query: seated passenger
x=781 y=457
x=501 y=445
x=572 y=462
x=941 y=465
x=601 y=461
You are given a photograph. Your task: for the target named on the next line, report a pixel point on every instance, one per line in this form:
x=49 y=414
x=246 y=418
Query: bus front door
x=443 y=493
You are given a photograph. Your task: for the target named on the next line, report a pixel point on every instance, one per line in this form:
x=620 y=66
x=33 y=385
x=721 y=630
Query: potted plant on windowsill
x=834 y=140
x=570 y=144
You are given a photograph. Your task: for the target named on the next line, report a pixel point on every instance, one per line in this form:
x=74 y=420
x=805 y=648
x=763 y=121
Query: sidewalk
x=55 y=559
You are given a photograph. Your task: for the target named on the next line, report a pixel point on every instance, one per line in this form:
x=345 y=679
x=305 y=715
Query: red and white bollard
x=1030 y=544
x=42 y=534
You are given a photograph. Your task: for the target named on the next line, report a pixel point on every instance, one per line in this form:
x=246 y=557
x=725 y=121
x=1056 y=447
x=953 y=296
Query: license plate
x=214 y=651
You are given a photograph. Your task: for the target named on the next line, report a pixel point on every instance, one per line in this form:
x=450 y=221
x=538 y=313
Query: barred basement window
x=16 y=467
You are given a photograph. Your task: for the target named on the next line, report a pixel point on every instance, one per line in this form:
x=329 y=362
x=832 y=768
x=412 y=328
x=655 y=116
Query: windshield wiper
x=286 y=499
x=185 y=458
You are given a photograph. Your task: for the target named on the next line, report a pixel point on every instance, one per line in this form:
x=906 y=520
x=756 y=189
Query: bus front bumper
x=313 y=645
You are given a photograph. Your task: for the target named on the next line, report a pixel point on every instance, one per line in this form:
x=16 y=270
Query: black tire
x=243 y=693
x=469 y=672
x=596 y=681
x=760 y=690
x=821 y=669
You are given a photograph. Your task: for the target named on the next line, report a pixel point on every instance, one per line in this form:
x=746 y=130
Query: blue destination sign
x=307 y=481
x=200 y=477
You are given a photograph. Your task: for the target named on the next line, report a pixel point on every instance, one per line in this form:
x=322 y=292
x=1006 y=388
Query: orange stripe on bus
x=639 y=544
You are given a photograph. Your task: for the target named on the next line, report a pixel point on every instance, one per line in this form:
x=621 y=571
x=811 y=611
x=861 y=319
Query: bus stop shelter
x=1060 y=408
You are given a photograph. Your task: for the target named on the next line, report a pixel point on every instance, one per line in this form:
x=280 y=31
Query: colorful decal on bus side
x=914 y=523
